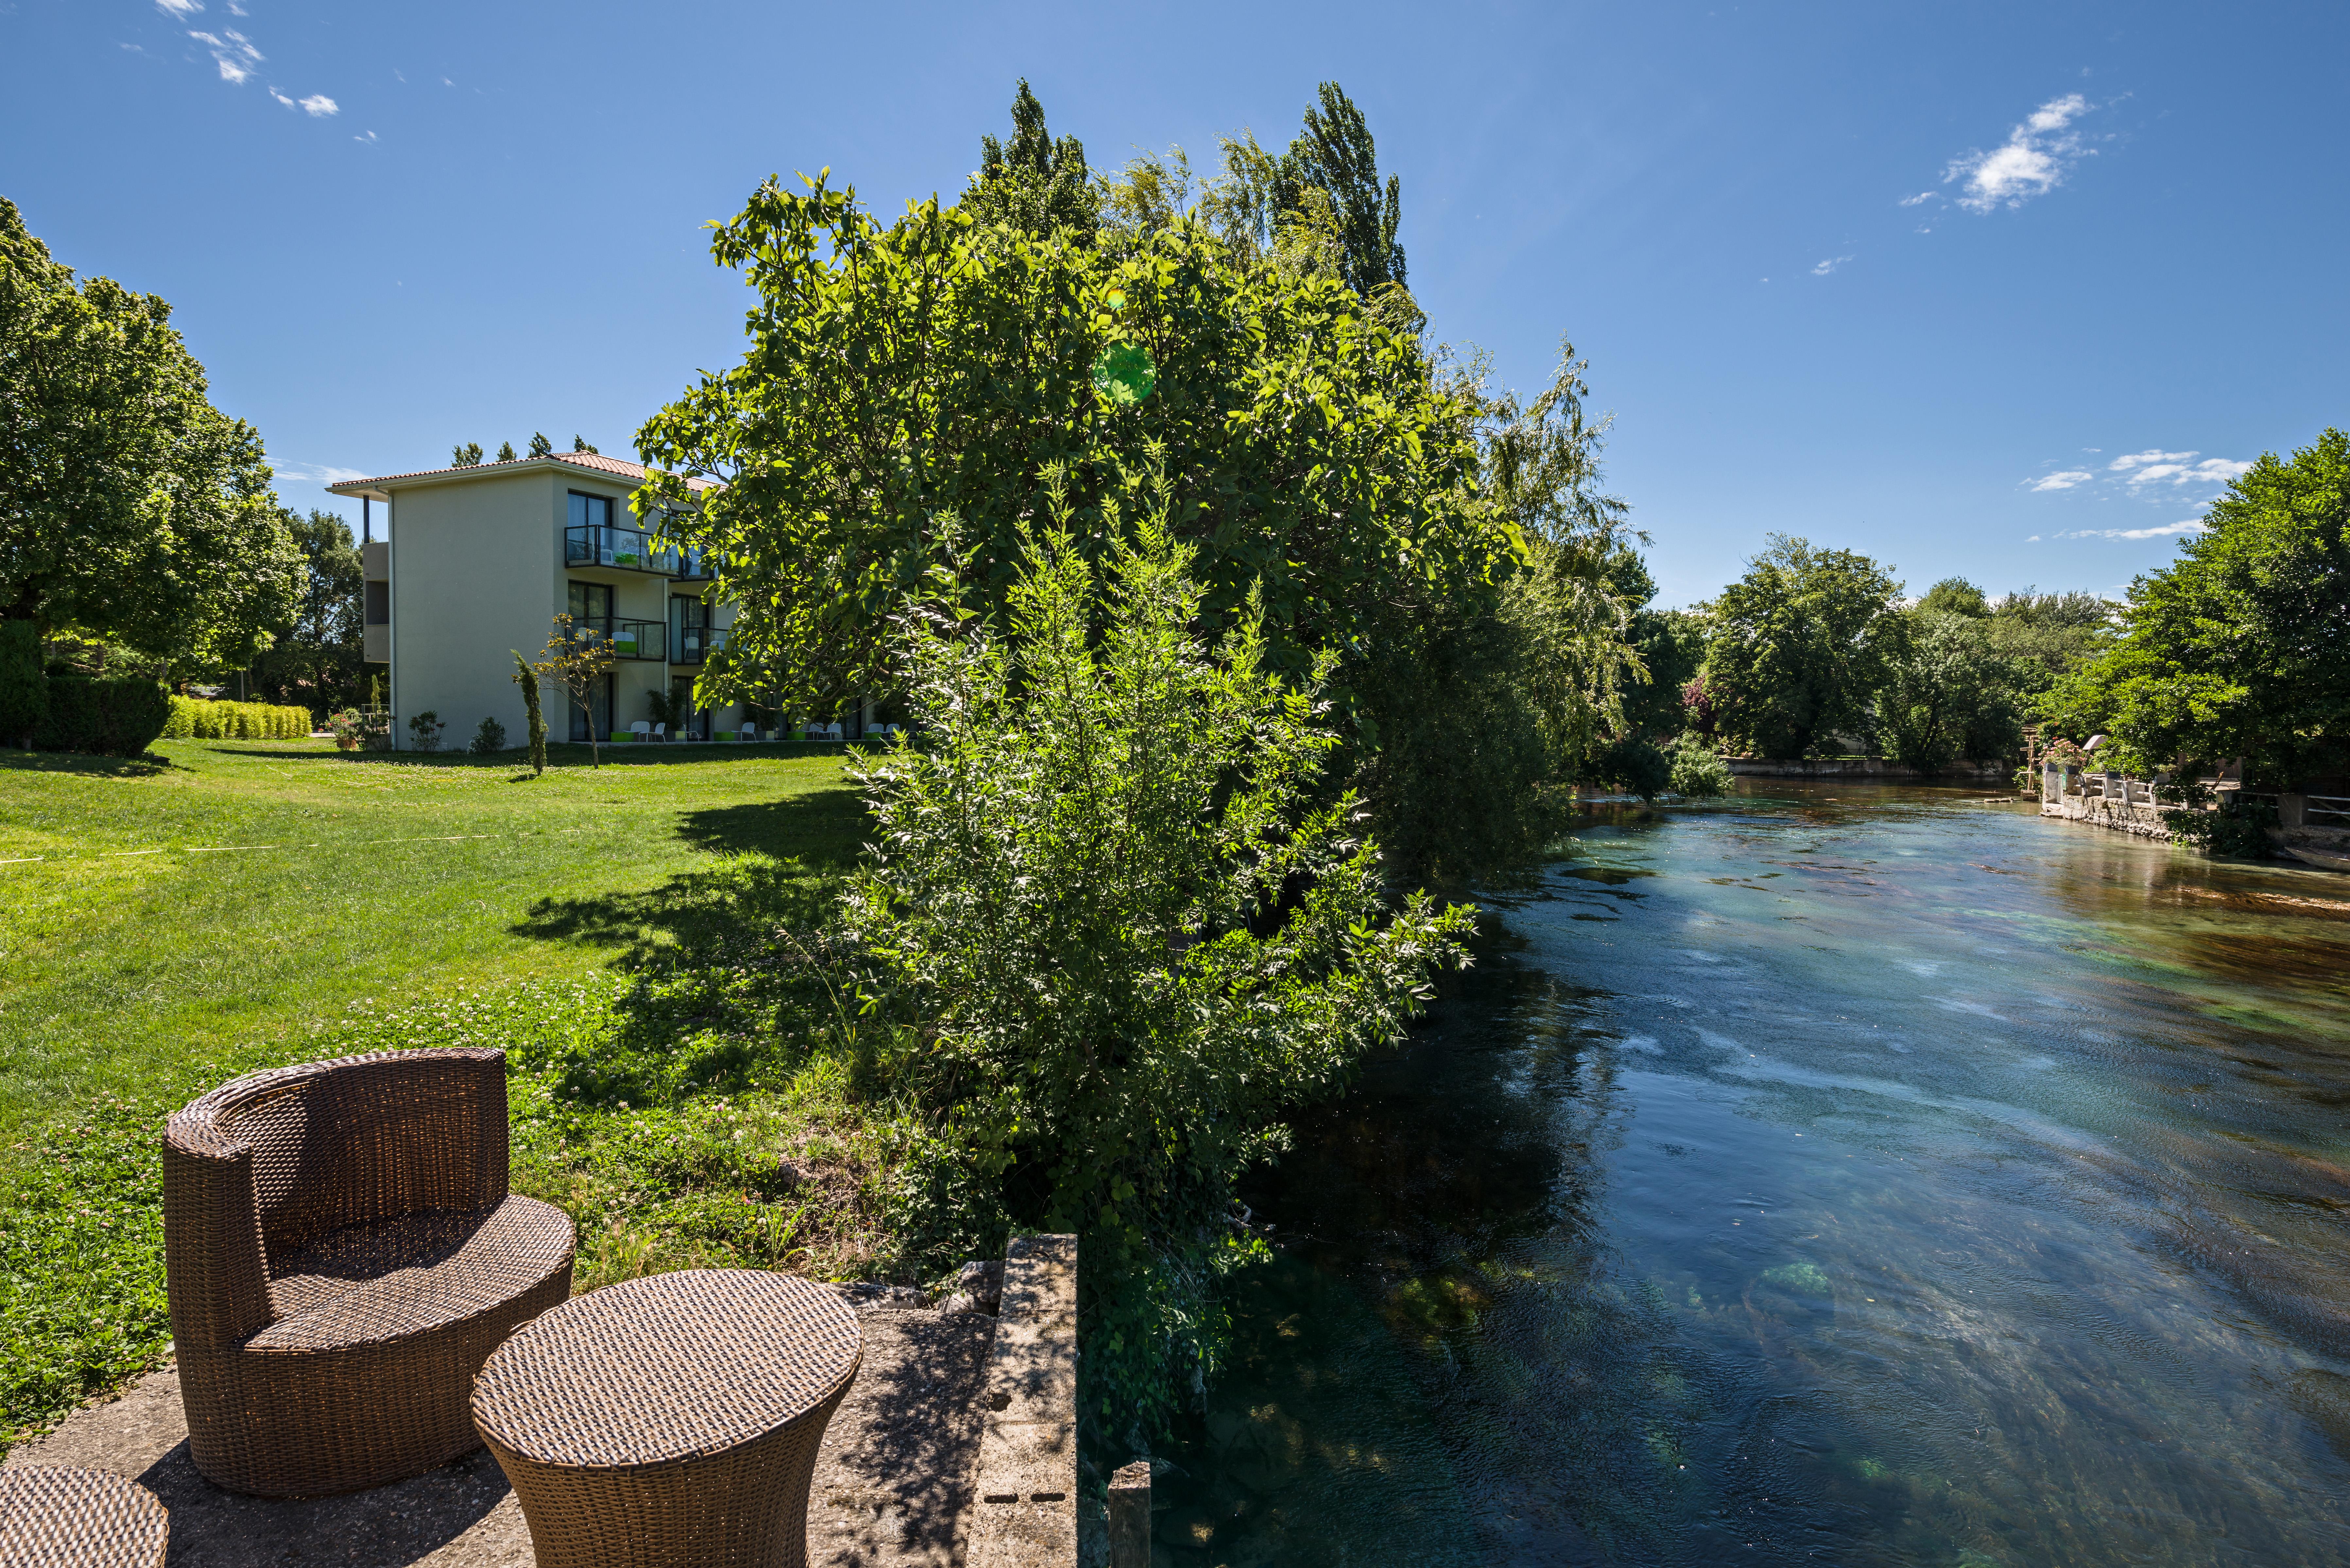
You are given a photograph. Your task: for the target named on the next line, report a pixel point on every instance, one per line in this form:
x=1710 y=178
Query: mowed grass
x=223 y=895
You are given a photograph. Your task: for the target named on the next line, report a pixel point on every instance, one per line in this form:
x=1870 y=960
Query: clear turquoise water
x=1840 y=1175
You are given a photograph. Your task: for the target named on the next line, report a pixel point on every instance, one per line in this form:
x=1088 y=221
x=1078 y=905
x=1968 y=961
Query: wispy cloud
x=369 y=138
x=317 y=104
x=321 y=473
x=232 y=51
x=1829 y=265
x=2155 y=466
x=2031 y=161
x=179 y=10
x=2064 y=481
x=1920 y=199
x=2192 y=525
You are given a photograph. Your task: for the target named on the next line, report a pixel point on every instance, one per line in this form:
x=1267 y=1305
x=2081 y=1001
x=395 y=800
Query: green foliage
x=2240 y=648
x=1635 y=766
x=540 y=446
x=1794 y=648
x=194 y=718
x=1335 y=154
x=23 y=689
x=132 y=510
x=467 y=455
x=1946 y=695
x=936 y=366
x=424 y=730
x=119 y=716
x=488 y=739
x=1671 y=646
x=2218 y=821
x=1954 y=596
x=1036 y=185
x=1699 y=773
x=315 y=658
x=529 y=679
x=581 y=443
x=1109 y=942
x=505 y=452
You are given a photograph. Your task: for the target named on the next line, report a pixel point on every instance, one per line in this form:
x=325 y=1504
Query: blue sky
x=1999 y=290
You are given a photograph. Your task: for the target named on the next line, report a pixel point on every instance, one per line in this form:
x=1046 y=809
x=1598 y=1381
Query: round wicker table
x=68 y=1518
x=671 y=1420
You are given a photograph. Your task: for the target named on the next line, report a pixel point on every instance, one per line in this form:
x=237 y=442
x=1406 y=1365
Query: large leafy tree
x=902 y=376
x=1947 y=693
x=315 y=659
x=2240 y=648
x=131 y=511
x=1796 y=647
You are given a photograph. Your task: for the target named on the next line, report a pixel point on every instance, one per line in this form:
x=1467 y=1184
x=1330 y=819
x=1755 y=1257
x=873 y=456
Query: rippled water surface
x=1839 y=1174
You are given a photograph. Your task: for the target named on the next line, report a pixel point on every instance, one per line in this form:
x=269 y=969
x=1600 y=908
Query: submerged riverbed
x=1839 y=1174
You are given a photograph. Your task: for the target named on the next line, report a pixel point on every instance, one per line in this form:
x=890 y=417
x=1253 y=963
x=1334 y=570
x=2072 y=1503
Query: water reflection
x=1884 y=1179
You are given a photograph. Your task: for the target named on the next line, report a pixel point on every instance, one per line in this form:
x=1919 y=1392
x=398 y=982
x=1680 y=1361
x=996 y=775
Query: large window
x=591 y=605
x=591 y=610
x=590 y=510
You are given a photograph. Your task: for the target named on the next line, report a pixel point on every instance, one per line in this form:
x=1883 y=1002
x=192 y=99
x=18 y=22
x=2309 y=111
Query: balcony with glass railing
x=693 y=644
x=621 y=549
x=625 y=640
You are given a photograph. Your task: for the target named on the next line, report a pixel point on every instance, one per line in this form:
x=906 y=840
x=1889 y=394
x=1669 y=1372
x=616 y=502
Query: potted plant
x=345 y=728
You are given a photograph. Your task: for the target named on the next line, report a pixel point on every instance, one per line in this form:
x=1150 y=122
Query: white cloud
x=2031 y=161
x=318 y=106
x=179 y=10
x=236 y=10
x=2064 y=481
x=233 y=51
x=369 y=139
x=321 y=474
x=2155 y=466
x=1920 y=199
x=1829 y=265
x=2192 y=526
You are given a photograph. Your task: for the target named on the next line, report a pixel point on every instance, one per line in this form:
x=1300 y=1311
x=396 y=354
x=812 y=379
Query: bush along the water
x=2222 y=822
x=1633 y=764
x=118 y=716
x=1106 y=941
x=193 y=718
x=1697 y=771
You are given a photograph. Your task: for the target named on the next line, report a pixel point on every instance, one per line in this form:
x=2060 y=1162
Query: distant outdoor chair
x=342 y=1255
x=641 y=727
x=748 y=732
x=661 y=732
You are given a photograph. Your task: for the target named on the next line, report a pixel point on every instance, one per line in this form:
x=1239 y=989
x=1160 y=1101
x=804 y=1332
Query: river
x=1836 y=1174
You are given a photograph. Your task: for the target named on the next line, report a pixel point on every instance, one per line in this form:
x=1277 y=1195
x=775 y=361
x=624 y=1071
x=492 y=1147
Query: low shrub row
x=118 y=716
x=193 y=718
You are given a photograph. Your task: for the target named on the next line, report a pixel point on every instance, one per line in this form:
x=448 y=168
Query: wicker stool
x=62 y=1518
x=671 y=1420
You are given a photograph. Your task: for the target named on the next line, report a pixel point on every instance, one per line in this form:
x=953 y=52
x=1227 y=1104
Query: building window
x=379 y=603
x=590 y=510
x=591 y=606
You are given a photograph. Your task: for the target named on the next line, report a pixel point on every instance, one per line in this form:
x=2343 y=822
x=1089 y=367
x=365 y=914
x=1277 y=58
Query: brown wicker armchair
x=343 y=1256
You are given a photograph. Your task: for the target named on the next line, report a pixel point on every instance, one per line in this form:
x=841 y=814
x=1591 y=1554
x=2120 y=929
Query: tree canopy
x=131 y=510
x=1036 y=183
x=1796 y=647
x=2240 y=648
x=909 y=385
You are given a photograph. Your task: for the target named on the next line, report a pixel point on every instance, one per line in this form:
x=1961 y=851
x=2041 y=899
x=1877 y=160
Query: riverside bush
x=196 y=718
x=1106 y=941
x=1697 y=771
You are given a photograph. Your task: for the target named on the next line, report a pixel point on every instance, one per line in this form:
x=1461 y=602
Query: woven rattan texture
x=63 y=1518
x=342 y=1256
x=671 y=1420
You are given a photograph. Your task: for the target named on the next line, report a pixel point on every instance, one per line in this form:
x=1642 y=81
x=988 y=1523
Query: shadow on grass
x=782 y=860
x=144 y=767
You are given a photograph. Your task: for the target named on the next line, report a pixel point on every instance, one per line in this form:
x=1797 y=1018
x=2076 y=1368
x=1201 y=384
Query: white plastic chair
x=661 y=732
x=748 y=732
x=640 y=728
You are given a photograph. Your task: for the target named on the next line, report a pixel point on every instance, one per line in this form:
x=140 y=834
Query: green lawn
x=244 y=892
x=629 y=935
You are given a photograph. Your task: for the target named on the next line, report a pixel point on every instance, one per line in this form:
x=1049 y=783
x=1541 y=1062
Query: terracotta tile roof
x=618 y=467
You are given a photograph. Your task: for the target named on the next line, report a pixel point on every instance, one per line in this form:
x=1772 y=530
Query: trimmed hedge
x=193 y=718
x=115 y=717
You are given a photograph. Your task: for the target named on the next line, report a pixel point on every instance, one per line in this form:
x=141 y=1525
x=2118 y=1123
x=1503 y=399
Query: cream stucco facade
x=479 y=562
